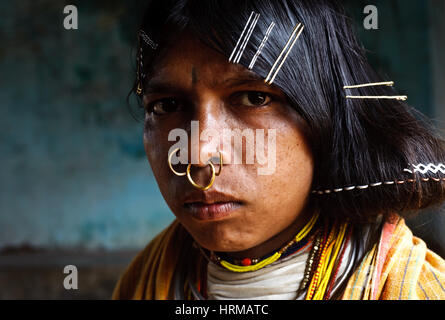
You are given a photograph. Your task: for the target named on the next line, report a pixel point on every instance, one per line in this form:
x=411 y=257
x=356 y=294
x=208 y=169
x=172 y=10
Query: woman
x=321 y=217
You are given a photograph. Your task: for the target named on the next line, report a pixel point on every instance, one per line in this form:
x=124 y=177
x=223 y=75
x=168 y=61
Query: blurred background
x=75 y=187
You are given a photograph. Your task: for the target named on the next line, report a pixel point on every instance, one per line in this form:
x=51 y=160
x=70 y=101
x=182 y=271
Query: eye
x=163 y=106
x=254 y=99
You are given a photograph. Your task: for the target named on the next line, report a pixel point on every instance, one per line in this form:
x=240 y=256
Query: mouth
x=218 y=210
x=211 y=205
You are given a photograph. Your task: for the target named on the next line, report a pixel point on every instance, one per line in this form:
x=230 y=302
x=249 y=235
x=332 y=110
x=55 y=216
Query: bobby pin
x=403 y=98
x=385 y=83
x=246 y=40
x=250 y=25
x=263 y=43
x=298 y=29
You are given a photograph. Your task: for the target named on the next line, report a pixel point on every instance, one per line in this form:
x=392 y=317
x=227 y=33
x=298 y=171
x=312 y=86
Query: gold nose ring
x=197 y=186
x=179 y=174
x=189 y=177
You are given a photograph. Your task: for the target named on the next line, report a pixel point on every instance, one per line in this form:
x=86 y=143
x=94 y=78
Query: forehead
x=188 y=57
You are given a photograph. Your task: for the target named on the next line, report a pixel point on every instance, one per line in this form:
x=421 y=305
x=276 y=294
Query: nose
x=210 y=121
x=207 y=135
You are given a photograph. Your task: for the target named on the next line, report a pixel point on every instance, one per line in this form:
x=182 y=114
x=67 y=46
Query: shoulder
x=398 y=267
x=410 y=269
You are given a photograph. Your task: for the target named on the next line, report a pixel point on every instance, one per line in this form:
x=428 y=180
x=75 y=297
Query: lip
x=211 y=205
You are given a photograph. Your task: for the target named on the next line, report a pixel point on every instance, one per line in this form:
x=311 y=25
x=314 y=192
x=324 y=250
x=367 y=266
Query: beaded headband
x=420 y=168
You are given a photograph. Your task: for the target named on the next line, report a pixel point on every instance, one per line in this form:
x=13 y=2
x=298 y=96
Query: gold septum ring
x=189 y=177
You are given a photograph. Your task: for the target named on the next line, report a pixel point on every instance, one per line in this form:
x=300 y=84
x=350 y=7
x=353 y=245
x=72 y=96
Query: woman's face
x=243 y=209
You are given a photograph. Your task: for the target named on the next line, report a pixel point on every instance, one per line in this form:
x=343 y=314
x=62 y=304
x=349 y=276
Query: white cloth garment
x=279 y=281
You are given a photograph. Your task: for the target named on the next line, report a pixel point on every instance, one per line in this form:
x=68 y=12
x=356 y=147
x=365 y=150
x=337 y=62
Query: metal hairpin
x=298 y=29
x=263 y=43
x=386 y=83
x=245 y=36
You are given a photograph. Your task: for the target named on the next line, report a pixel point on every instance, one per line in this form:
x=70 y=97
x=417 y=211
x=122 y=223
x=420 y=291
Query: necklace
x=320 y=273
x=328 y=254
x=248 y=264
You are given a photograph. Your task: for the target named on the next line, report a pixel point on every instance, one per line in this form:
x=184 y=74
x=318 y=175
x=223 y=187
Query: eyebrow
x=243 y=79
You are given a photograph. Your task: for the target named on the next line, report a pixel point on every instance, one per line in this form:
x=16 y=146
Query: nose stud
x=189 y=177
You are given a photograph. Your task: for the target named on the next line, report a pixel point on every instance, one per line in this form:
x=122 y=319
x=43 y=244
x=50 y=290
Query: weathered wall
x=73 y=166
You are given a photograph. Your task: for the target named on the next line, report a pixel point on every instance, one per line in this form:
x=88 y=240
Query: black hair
x=354 y=142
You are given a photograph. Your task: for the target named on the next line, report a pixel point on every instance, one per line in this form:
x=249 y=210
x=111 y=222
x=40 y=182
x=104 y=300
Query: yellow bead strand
x=300 y=236
x=319 y=283
x=326 y=277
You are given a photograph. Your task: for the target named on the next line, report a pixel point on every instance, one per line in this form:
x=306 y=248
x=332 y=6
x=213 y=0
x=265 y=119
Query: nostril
x=215 y=160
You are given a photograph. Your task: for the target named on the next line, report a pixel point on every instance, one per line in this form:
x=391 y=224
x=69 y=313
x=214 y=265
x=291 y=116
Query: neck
x=276 y=242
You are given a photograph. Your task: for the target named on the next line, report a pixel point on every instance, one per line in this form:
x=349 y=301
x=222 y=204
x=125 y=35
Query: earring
x=139 y=89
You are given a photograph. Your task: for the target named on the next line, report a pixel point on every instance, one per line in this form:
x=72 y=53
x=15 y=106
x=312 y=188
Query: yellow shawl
x=399 y=267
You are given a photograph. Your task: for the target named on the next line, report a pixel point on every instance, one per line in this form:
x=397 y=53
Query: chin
x=222 y=240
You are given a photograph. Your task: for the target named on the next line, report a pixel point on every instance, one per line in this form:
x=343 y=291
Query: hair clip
x=148 y=40
x=386 y=83
x=263 y=43
x=298 y=29
x=417 y=168
x=250 y=25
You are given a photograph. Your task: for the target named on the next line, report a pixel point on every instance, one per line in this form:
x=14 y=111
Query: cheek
x=278 y=199
x=288 y=189
x=295 y=162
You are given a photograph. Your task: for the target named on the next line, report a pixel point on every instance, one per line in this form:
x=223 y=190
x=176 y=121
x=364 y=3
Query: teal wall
x=400 y=48
x=73 y=168
x=74 y=171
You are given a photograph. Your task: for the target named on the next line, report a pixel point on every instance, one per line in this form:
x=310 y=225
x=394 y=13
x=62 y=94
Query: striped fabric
x=399 y=267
